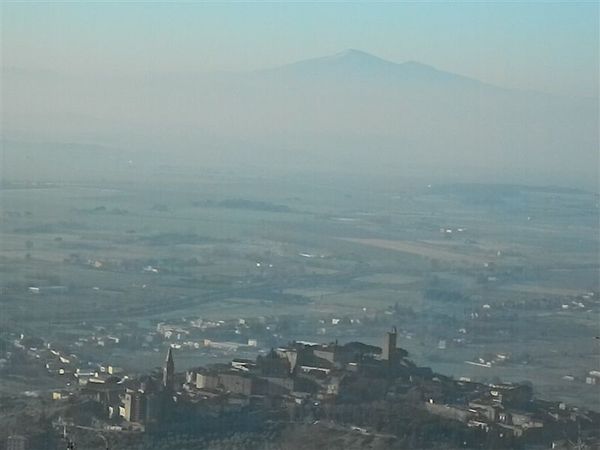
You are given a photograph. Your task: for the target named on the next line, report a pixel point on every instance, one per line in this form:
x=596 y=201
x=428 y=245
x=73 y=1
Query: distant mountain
x=356 y=64
x=351 y=112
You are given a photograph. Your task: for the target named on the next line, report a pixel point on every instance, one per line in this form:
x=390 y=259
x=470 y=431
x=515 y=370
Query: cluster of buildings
x=297 y=374
x=306 y=381
x=310 y=380
x=294 y=373
x=60 y=362
x=133 y=403
x=507 y=408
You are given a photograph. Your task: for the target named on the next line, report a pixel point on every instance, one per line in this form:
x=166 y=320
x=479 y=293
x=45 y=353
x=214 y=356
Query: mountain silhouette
x=354 y=64
x=350 y=110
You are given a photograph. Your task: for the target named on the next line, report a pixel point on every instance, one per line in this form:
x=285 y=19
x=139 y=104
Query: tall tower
x=169 y=371
x=389 y=345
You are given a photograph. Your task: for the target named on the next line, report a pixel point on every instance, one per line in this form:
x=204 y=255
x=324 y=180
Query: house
x=518 y=395
x=238 y=383
x=207 y=380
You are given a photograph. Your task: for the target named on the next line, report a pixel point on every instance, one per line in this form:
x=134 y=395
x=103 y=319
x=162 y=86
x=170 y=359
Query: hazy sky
x=551 y=47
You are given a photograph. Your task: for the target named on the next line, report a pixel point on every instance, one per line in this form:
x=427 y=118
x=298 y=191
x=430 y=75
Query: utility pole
x=70 y=443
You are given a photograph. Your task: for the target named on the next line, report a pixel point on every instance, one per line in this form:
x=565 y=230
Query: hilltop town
x=355 y=389
x=299 y=225
x=258 y=292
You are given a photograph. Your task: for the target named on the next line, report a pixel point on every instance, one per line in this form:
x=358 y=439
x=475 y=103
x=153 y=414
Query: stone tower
x=389 y=345
x=169 y=372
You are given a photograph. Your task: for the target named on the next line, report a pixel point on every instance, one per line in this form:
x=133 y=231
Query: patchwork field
x=298 y=259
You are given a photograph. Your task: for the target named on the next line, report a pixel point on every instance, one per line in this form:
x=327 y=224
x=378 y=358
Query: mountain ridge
x=353 y=63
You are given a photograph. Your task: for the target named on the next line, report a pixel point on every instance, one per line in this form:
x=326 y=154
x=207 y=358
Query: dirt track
x=417 y=248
